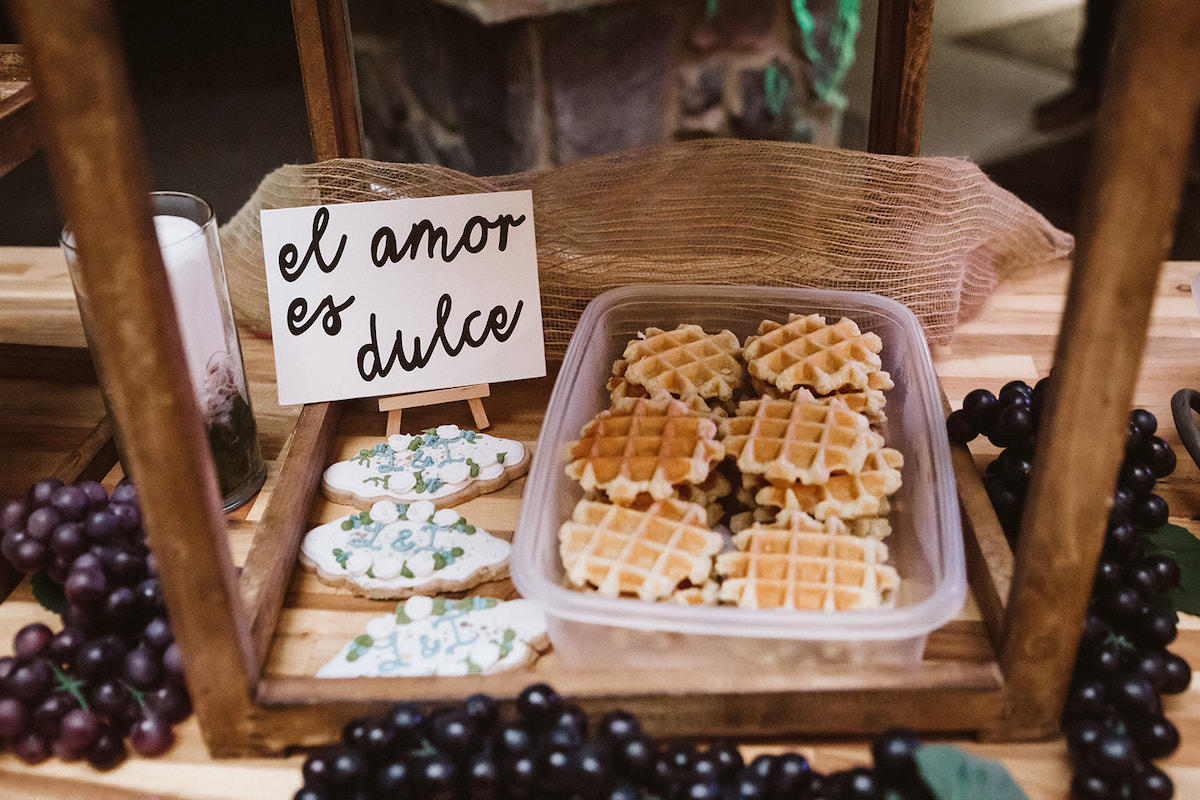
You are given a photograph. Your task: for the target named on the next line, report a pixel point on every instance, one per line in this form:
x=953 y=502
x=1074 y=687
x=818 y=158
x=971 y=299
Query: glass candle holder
x=191 y=252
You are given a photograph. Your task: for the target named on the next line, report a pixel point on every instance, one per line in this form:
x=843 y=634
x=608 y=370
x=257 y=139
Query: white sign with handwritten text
x=394 y=296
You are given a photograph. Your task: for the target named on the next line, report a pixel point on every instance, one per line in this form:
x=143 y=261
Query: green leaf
x=405 y=571
x=456 y=552
x=48 y=593
x=364 y=640
x=953 y=774
x=500 y=457
x=1184 y=548
x=472 y=667
x=347 y=524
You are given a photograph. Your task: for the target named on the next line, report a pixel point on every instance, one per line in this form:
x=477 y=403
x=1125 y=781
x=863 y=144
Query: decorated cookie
x=438 y=636
x=398 y=549
x=445 y=465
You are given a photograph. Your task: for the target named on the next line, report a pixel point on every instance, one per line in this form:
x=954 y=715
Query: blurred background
x=218 y=89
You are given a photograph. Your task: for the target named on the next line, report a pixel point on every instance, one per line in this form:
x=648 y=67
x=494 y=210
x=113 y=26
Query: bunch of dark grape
x=551 y=750
x=1113 y=717
x=113 y=672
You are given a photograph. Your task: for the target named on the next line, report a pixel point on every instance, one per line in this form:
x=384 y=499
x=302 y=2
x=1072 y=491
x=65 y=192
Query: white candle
x=190 y=275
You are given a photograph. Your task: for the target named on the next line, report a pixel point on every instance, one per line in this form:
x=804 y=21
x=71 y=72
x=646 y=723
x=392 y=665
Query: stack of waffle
x=793 y=418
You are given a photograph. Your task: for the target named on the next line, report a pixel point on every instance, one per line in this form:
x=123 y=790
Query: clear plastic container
x=925 y=545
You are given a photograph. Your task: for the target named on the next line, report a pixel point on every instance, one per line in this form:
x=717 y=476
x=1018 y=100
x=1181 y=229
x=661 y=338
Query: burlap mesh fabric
x=933 y=233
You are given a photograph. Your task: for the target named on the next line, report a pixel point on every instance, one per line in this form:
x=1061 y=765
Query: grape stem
x=72 y=685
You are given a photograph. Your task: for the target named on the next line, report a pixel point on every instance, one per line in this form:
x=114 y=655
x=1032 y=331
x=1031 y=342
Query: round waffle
x=644 y=445
x=648 y=554
x=804 y=439
x=805 y=565
x=808 y=351
x=685 y=361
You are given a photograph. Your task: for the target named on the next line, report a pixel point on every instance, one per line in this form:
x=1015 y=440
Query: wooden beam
x=1129 y=204
x=98 y=164
x=903 y=32
x=330 y=83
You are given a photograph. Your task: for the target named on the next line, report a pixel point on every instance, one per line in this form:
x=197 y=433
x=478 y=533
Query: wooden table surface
x=1013 y=337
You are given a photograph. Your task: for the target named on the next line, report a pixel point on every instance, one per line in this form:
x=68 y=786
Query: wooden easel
x=473 y=394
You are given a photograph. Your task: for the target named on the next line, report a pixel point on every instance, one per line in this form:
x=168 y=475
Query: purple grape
x=68 y=541
x=151 y=736
x=150 y=597
x=125 y=568
x=1150 y=512
x=86 y=618
x=102 y=525
x=48 y=714
x=107 y=751
x=96 y=494
x=124 y=492
x=70 y=502
x=88 y=560
x=11 y=542
x=100 y=659
x=85 y=586
x=13 y=514
x=128 y=516
x=14 y=718
x=30 y=679
x=172 y=660
x=120 y=611
x=158 y=634
x=39 y=494
x=142 y=669
x=66 y=644
x=78 y=731
x=30 y=748
x=42 y=522
x=170 y=701
x=33 y=640
x=30 y=556
x=109 y=698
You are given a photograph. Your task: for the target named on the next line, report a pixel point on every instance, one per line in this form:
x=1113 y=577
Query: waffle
x=686 y=361
x=843 y=495
x=808 y=351
x=803 y=440
x=806 y=566
x=644 y=445
x=649 y=554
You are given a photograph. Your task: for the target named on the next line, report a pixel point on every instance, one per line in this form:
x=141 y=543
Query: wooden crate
x=224 y=624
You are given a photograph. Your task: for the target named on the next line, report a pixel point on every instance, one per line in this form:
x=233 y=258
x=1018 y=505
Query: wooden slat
x=99 y=167
x=272 y=557
x=18 y=139
x=818 y=700
x=46 y=363
x=903 y=33
x=1127 y=213
x=330 y=85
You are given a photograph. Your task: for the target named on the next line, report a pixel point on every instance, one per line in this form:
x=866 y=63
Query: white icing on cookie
x=438 y=636
x=436 y=463
x=396 y=549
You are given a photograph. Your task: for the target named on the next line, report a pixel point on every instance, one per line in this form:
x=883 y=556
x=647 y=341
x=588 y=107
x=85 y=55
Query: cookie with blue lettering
x=399 y=549
x=445 y=465
x=439 y=636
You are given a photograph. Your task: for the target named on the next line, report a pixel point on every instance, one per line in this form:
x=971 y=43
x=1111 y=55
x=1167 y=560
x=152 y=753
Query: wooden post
x=330 y=84
x=1130 y=202
x=903 y=32
x=97 y=161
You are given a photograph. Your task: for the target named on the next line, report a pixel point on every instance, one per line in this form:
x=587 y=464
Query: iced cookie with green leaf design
x=399 y=549
x=446 y=465
x=438 y=636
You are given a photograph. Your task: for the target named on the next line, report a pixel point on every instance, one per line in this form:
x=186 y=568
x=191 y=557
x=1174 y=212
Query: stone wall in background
x=487 y=94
